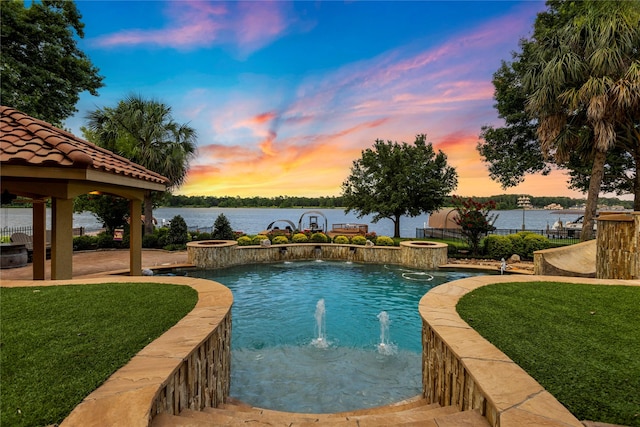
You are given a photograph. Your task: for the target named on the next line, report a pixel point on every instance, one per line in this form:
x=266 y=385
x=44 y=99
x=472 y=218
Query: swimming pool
x=276 y=361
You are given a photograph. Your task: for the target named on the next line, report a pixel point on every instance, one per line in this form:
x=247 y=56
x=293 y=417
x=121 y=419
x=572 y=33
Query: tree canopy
x=395 y=179
x=43 y=70
x=144 y=131
x=577 y=83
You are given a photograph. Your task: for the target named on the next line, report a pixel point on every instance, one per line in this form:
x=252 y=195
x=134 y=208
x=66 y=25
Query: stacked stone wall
x=220 y=254
x=618 y=252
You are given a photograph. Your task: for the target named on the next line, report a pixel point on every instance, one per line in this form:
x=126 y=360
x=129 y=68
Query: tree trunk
x=148 y=213
x=597 y=172
x=396 y=227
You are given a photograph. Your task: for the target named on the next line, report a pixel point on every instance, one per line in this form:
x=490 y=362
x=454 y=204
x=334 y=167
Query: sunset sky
x=285 y=95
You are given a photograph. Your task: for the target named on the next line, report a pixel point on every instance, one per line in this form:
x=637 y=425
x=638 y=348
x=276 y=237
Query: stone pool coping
x=187 y=367
x=462 y=368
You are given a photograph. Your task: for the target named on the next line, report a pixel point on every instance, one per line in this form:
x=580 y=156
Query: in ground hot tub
x=13 y=255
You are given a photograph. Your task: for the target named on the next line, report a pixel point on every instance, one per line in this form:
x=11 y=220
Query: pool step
x=413 y=412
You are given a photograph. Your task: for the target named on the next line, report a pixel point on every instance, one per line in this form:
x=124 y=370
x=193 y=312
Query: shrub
x=259 y=238
x=83 y=243
x=498 y=247
x=299 y=238
x=200 y=235
x=150 y=241
x=222 y=229
x=359 y=240
x=178 y=231
x=280 y=240
x=173 y=247
x=105 y=240
x=163 y=236
x=475 y=220
x=342 y=240
x=534 y=242
x=384 y=241
x=319 y=238
x=244 y=241
x=517 y=244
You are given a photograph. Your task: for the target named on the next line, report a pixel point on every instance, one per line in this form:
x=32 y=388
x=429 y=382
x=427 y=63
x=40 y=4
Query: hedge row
x=279 y=239
x=524 y=244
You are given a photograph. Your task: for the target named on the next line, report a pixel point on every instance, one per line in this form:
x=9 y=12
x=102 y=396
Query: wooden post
x=135 y=238
x=62 y=239
x=39 y=239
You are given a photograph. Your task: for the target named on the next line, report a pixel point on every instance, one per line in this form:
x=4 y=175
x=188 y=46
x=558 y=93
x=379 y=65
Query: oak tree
x=395 y=179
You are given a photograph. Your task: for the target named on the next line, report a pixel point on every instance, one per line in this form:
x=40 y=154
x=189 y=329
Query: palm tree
x=144 y=131
x=584 y=80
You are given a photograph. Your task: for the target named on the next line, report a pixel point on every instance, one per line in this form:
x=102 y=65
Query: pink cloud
x=195 y=24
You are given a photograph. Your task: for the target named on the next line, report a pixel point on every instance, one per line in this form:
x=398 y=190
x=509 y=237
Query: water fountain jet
x=321 y=339
x=385 y=347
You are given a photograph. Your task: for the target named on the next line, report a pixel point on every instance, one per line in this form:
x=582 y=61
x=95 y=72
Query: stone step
x=440 y=419
x=411 y=417
x=407 y=404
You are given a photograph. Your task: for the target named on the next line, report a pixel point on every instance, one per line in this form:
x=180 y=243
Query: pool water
x=276 y=361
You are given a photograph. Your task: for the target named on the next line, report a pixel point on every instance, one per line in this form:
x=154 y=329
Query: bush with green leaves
x=384 y=241
x=359 y=240
x=200 y=235
x=280 y=240
x=245 y=241
x=178 y=232
x=498 y=247
x=259 y=238
x=534 y=242
x=299 y=238
x=517 y=243
x=222 y=229
x=319 y=238
x=83 y=243
x=105 y=240
x=150 y=241
x=341 y=240
x=163 y=236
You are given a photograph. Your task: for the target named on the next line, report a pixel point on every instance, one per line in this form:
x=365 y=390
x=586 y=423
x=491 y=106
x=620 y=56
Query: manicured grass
x=59 y=343
x=581 y=342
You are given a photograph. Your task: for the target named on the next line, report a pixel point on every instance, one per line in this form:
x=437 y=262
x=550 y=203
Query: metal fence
x=6 y=232
x=568 y=237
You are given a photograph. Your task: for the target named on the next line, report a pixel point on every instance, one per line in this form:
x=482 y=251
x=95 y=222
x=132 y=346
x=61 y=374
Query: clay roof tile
x=28 y=141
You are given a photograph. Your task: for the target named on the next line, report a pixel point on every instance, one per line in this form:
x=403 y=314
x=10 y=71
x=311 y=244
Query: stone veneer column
x=618 y=246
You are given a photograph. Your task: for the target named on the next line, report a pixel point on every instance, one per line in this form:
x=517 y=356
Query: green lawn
x=59 y=343
x=581 y=342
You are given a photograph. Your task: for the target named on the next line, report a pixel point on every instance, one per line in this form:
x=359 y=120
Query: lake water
x=254 y=220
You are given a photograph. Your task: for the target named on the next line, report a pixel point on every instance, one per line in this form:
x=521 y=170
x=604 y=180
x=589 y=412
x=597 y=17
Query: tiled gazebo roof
x=31 y=142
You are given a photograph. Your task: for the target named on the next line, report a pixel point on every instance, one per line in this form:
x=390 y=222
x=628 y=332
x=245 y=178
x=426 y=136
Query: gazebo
x=40 y=161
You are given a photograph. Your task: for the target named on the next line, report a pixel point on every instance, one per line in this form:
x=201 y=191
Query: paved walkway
x=97 y=263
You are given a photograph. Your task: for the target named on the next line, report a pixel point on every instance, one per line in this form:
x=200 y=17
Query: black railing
x=6 y=232
x=565 y=236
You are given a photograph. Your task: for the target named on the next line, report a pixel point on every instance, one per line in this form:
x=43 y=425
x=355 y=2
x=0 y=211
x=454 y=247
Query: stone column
x=618 y=252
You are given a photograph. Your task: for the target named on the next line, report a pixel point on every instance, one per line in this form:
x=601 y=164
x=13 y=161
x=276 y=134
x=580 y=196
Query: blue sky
x=285 y=95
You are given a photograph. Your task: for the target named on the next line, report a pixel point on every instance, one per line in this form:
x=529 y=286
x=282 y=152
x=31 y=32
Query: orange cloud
x=262 y=118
